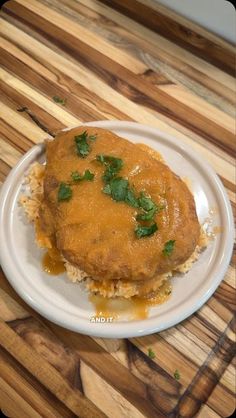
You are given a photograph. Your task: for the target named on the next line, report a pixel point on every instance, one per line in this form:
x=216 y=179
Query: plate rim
x=130 y=328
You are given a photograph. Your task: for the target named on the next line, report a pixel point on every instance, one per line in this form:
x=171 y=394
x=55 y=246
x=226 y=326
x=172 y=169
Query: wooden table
x=127 y=60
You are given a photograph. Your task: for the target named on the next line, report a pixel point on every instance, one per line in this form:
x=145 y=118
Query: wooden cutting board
x=127 y=60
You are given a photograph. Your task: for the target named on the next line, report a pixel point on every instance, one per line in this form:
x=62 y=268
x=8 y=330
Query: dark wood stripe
x=4 y=170
x=227 y=296
x=233 y=259
x=16 y=100
x=207 y=377
x=60 y=409
x=176 y=32
x=161 y=385
x=124 y=81
x=15 y=138
x=228 y=184
x=156 y=78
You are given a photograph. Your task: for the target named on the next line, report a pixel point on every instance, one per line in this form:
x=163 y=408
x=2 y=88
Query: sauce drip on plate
x=52 y=263
x=133 y=308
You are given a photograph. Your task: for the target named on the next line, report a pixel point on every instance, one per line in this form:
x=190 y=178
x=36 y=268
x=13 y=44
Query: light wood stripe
x=8 y=153
x=92 y=382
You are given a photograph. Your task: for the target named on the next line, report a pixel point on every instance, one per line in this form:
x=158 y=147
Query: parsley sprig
x=59 y=100
x=151 y=353
x=177 y=374
x=145 y=231
x=76 y=176
x=120 y=190
x=113 y=166
x=83 y=146
x=64 y=192
x=168 y=248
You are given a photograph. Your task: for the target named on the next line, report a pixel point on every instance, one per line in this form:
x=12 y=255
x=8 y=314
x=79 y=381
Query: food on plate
x=113 y=213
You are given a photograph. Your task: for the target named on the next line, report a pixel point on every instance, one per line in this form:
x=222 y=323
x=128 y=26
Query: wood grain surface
x=126 y=60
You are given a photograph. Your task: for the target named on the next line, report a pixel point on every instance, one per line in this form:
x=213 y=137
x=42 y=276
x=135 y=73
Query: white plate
x=66 y=303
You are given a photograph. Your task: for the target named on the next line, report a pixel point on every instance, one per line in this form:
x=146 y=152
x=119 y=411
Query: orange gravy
x=133 y=308
x=52 y=263
x=153 y=153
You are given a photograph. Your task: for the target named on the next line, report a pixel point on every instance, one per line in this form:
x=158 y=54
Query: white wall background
x=218 y=16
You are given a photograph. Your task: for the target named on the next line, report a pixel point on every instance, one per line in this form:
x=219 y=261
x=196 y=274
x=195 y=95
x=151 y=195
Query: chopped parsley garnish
x=168 y=248
x=118 y=188
x=177 y=374
x=57 y=99
x=151 y=353
x=131 y=199
x=113 y=166
x=145 y=231
x=149 y=208
x=82 y=145
x=107 y=189
x=64 y=192
x=92 y=137
x=78 y=177
x=145 y=202
x=147 y=216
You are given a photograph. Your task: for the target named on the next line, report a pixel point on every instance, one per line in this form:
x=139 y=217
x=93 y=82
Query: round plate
x=66 y=303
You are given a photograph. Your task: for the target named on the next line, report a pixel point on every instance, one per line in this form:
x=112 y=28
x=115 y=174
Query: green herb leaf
x=92 y=137
x=82 y=145
x=151 y=353
x=168 y=248
x=64 y=192
x=100 y=158
x=147 y=216
x=118 y=188
x=78 y=177
x=145 y=231
x=88 y=175
x=131 y=199
x=57 y=99
x=145 y=202
x=177 y=374
x=107 y=189
x=149 y=207
x=113 y=166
